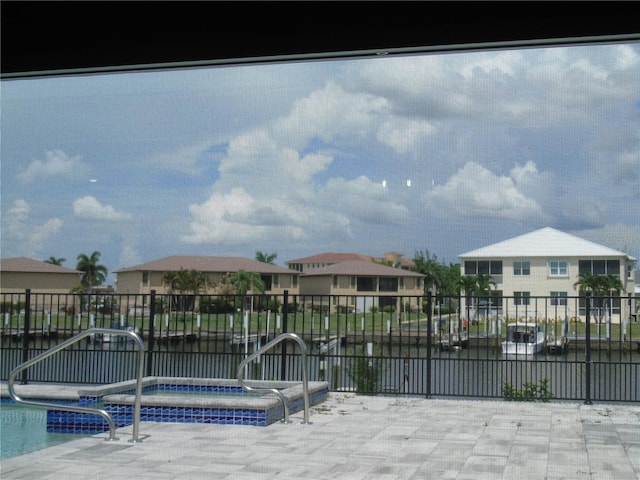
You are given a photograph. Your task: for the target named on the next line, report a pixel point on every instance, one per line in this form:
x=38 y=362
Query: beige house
x=546 y=263
x=50 y=285
x=358 y=285
x=21 y=273
x=142 y=279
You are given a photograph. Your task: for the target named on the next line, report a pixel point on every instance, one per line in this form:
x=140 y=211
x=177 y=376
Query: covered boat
x=523 y=339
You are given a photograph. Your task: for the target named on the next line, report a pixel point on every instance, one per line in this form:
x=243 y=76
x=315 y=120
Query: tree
x=244 y=281
x=266 y=257
x=55 y=261
x=185 y=282
x=432 y=270
x=601 y=287
x=93 y=272
x=451 y=284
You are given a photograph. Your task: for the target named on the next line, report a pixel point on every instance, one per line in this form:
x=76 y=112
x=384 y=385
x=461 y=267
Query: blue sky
x=442 y=153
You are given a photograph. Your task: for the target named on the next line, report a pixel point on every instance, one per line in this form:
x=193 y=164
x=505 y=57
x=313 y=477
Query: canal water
x=463 y=373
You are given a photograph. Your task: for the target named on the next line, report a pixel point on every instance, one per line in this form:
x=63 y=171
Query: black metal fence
x=429 y=346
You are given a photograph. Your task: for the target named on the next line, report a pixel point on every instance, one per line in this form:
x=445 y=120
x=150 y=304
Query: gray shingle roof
x=359 y=267
x=331 y=257
x=545 y=242
x=29 y=265
x=206 y=264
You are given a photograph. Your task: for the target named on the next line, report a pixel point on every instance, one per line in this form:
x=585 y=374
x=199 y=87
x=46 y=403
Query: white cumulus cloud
x=474 y=191
x=24 y=237
x=56 y=164
x=88 y=208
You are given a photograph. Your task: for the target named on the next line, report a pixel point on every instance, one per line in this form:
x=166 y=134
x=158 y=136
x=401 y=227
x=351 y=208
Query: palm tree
x=55 y=261
x=94 y=273
x=244 y=281
x=601 y=287
x=432 y=270
x=185 y=281
x=266 y=257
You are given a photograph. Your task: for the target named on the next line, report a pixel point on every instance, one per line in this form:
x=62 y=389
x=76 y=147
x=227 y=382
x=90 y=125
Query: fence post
x=587 y=399
x=429 y=341
x=152 y=314
x=25 y=332
x=283 y=357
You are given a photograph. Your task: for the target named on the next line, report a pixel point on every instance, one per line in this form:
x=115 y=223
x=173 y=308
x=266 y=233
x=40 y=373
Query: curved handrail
x=305 y=382
x=72 y=408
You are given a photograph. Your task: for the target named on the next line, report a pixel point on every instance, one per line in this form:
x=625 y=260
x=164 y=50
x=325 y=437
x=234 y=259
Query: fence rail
x=431 y=346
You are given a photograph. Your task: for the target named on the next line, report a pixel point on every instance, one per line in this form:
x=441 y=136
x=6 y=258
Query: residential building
x=50 y=285
x=358 y=285
x=331 y=258
x=143 y=278
x=546 y=263
x=21 y=273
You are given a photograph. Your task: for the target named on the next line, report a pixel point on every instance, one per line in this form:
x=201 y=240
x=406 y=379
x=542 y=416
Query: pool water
x=23 y=429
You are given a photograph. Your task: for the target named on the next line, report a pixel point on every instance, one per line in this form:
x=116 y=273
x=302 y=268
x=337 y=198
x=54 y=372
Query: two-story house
x=546 y=263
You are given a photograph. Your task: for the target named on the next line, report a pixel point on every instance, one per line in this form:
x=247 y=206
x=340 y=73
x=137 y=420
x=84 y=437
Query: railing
x=413 y=345
x=72 y=408
x=260 y=390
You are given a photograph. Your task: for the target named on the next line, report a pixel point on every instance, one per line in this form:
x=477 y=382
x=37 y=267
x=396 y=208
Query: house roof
x=206 y=264
x=331 y=257
x=334 y=257
x=545 y=242
x=361 y=267
x=29 y=265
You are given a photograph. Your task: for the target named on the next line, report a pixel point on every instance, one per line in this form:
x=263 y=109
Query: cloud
x=402 y=135
x=23 y=237
x=88 y=208
x=236 y=217
x=183 y=159
x=56 y=164
x=366 y=201
x=331 y=114
x=476 y=192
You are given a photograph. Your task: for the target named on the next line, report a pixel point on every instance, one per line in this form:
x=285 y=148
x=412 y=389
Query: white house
x=546 y=263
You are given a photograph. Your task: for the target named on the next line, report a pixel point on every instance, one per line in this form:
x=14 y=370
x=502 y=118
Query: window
x=388 y=284
x=366 y=284
x=521 y=298
x=599 y=267
x=145 y=278
x=558 y=268
x=558 y=299
x=521 y=268
x=486 y=267
x=268 y=282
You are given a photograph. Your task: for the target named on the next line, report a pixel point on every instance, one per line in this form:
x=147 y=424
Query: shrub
x=366 y=373
x=530 y=393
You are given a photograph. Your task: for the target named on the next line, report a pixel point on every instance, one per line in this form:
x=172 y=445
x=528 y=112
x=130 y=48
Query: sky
x=437 y=153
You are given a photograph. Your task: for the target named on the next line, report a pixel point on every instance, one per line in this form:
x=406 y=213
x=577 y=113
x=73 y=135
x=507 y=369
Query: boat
x=523 y=339
x=557 y=346
x=454 y=341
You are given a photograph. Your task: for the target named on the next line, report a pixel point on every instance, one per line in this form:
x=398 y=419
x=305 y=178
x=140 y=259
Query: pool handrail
x=305 y=382
x=72 y=408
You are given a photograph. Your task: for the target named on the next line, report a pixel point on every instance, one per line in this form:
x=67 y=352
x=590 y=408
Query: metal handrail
x=305 y=382
x=72 y=408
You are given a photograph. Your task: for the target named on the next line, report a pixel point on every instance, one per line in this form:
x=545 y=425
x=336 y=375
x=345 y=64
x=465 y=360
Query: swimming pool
x=180 y=400
x=24 y=430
